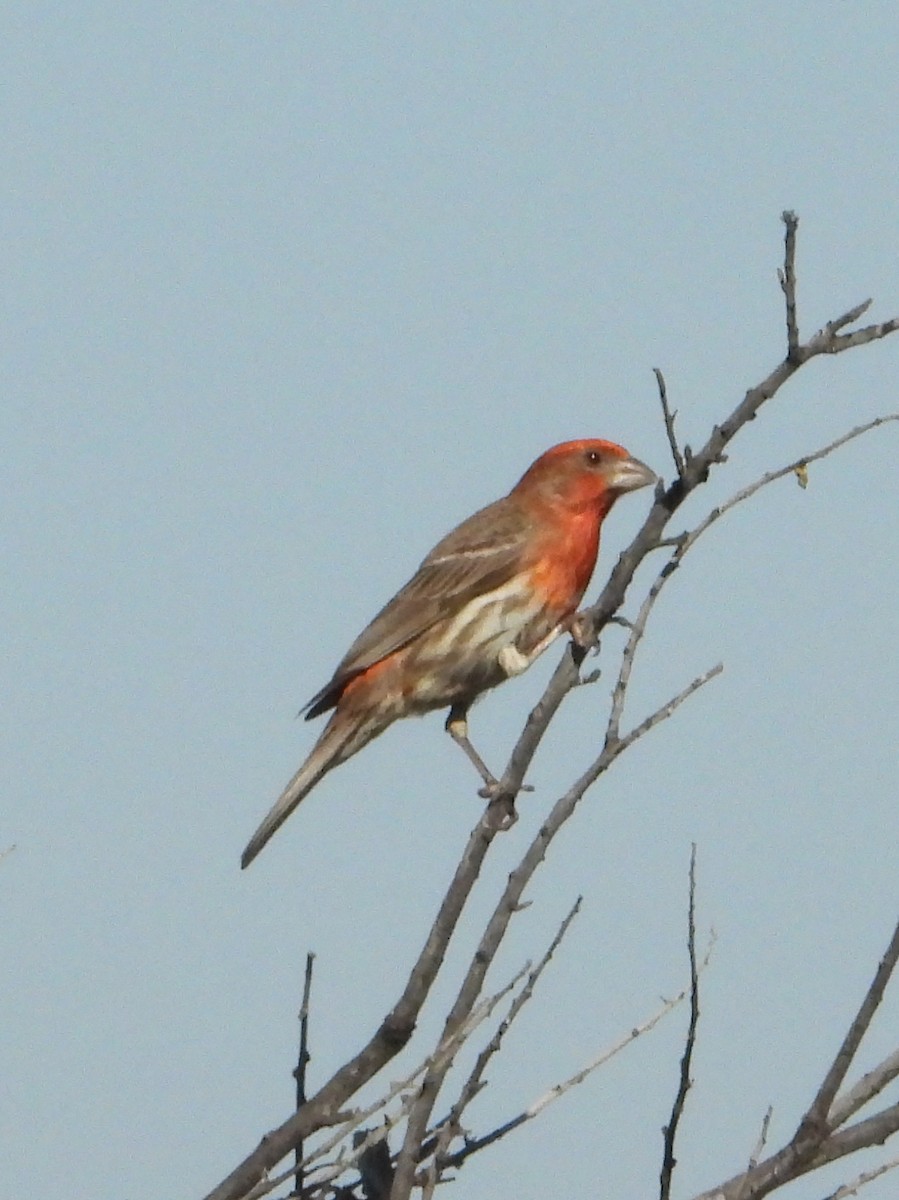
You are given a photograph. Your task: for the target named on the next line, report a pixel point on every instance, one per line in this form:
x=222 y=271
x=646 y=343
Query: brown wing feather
x=479 y=555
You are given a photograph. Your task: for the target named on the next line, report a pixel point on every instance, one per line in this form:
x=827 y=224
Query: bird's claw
x=501 y=814
x=582 y=631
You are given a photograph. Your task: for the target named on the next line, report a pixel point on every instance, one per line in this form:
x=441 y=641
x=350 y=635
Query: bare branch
x=664 y=711
x=813 y=1125
x=670 y=1133
x=474 y=1082
x=861 y=337
x=854 y=1187
x=392 y=1035
x=637 y=629
x=790 y=1163
x=324 y=1108
x=473 y=1145
x=818 y=1141
x=669 y=416
x=798 y=464
x=869 y=1086
x=759 y=1147
x=302 y=1063
x=850 y=316
x=826 y=341
x=350 y=1121
x=450 y=1126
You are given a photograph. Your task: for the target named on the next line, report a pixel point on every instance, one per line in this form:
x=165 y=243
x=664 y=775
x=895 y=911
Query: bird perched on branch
x=487 y=600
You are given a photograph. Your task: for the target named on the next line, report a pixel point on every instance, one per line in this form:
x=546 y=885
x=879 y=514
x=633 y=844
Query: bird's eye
x=593 y=457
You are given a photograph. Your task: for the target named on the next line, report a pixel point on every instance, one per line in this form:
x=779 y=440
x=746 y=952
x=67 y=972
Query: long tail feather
x=338 y=741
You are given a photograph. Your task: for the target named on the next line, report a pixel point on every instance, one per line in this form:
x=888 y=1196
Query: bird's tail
x=341 y=737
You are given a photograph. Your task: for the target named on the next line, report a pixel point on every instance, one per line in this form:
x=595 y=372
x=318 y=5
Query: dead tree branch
x=669 y=416
x=473 y=1145
x=814 y=1124
x=819 y=1139
x=302 y=1063
x=325 y=1108
x=669 y=1162
x=451 y=1125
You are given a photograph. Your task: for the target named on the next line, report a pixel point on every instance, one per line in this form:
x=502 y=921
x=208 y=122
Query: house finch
x=487 y=600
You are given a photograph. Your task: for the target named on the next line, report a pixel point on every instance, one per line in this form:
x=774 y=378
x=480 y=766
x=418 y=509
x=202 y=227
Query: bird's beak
x=629 y=474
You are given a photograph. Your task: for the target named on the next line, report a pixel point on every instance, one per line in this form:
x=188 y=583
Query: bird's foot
x=457 y=728
x=495 y=790
x=501 y=814
x=582 y=630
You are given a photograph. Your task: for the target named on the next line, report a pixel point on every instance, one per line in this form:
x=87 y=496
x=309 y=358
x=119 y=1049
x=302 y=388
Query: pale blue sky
x=288 y=290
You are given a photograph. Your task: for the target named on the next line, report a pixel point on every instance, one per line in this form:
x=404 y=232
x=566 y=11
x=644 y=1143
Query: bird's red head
x=583 y=474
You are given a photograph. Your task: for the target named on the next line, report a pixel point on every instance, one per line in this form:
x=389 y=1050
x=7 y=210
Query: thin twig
x=452 y=1122
x=669 y=416
x=861 y=337
x=473 y=1145
x=440 y=1059
x=788 y=283
x=789 y=1163
x=664 y=711
x=759 y=1147
x=302 y=1063
x=450 y=1126
x=670 y=1133
x=855 y=1185
x=637 y=629
x=861 y=1093
x=817 y=1141
x=799 y=464
x=682 y=545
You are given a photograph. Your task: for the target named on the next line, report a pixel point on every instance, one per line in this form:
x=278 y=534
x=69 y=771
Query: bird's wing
x=479 y=555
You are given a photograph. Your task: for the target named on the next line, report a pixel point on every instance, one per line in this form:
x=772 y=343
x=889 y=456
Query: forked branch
x=325 y=1107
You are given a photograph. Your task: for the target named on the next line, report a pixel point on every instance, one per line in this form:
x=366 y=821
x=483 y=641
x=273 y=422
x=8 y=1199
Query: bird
x=483 y=605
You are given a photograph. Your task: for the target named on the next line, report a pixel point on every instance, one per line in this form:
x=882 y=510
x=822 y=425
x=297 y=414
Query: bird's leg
x=502 y=801
x=457 y=728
